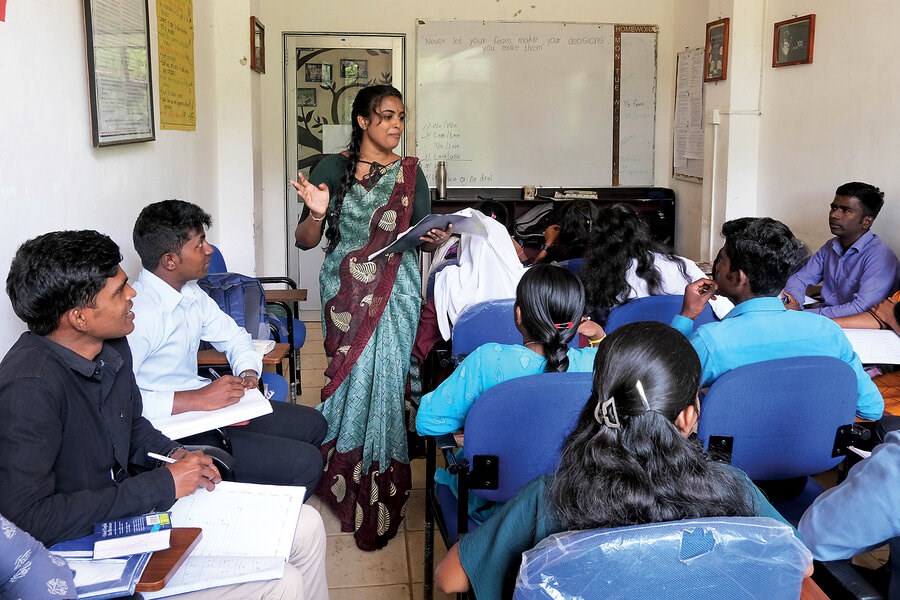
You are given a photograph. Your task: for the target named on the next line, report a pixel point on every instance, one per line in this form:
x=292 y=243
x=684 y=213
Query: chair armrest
x=840 y=579
x=446 y=444
x=222 y=459
x=285 y=280
x=289 y=295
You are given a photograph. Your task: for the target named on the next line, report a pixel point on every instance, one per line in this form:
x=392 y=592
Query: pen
x=214 y=373
x=164 y=459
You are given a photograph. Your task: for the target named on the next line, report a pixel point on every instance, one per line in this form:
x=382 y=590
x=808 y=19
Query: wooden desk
x=811 y=591
x=214 y=358
x=165 y=563
x=288 y=295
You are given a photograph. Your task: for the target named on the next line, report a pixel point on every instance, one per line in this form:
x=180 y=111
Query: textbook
x=134 y=535
x=410 y=238
x=121 y=537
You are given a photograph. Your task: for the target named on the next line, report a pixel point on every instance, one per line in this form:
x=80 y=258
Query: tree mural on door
x=331 y=101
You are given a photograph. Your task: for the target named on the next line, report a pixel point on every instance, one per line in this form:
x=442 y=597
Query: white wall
x=50 y=176
x=835 y=120
x=689 y=32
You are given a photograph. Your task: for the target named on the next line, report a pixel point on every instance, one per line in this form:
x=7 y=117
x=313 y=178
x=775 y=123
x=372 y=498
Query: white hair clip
x=640 y=391
x=605 y=413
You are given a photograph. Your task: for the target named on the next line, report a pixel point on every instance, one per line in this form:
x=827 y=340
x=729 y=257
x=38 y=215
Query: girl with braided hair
x=366 y=196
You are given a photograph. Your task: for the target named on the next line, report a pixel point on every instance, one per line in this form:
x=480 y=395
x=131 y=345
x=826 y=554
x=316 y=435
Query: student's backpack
x=530 y=226
x=241 y=297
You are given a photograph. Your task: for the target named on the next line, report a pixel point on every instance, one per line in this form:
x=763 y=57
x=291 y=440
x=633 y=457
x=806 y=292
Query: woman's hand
x=315 y=198
x=591 y=330
x=435 y=237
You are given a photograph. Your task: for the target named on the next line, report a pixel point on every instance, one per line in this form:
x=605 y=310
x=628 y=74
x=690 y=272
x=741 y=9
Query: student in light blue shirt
x=548 y=312
x=751 y=270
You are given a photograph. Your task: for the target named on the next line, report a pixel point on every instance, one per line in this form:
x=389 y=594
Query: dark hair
x=495 y=210
x=764 y=249
x=365 y=105
x=164 y=227
x=548 y=296
x=620 y=238
x=644 y=471
x=59 y=271
x=871 y=198
x=576 y=219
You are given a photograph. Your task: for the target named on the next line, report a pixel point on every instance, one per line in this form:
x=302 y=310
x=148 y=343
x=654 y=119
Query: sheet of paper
x=90 y=572
x=247 y=534
x=875 y=346
x=252 y=405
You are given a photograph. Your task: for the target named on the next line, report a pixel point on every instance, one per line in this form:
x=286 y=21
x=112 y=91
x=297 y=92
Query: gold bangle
x=319 y=220
x=595 y=343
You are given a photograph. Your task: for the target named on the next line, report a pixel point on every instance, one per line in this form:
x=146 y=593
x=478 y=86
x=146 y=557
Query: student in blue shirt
x=750 y=270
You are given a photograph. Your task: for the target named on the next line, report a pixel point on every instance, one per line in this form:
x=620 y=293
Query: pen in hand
x=162 y=458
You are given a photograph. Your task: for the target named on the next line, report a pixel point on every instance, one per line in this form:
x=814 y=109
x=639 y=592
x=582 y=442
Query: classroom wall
x=689 y=32
x=835 y=120
x=358 y=16
x=50 y=175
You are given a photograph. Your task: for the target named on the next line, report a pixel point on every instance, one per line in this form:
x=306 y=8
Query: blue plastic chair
x=573 y=264
x=696 y=559
x=485 y=322
x=499 y=457
x=490 y=321
x=653 y=308
x=276 y=384
x=782 y=419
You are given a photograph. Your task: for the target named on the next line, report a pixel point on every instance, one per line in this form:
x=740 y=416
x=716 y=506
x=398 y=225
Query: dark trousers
x=281 y=448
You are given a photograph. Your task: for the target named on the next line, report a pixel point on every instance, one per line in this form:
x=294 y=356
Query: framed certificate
x=118 y=61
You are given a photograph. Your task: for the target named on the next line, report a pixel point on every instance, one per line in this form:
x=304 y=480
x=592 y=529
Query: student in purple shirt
x=856 y=269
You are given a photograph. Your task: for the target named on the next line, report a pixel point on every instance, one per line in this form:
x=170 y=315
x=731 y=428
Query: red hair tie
x=566 y=325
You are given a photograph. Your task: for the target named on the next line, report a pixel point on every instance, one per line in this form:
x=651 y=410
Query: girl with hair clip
x=628 y=462
x=367 y=195
x=623 y=262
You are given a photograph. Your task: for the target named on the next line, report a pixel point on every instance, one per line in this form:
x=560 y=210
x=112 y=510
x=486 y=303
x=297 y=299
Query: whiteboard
x=544 y=104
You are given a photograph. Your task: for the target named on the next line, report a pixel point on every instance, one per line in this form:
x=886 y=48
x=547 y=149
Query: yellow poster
x=177 y=104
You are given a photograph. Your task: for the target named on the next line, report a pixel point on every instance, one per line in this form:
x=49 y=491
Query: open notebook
x=247 y=534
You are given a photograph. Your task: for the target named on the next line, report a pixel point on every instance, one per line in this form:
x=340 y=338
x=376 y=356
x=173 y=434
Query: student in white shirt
x=172 y=315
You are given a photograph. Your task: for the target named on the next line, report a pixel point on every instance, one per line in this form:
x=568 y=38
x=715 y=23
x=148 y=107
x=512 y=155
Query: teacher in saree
x=362 y=199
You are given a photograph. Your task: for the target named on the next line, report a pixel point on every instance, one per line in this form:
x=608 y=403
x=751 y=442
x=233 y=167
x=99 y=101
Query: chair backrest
x=524 y=422
x=485 y=322
x=276 y=384
x=573 y=265
x=241 y=297
x=696 y=559
x=217 y=261
x=490 y=321
x=653 y=308
x=782 y=414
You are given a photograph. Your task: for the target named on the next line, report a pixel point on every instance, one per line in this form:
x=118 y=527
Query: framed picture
x=792 y=43
x=306 y=97
x=327 y=78
x=119 y=78
x=257 y=46
x=352 y=68
x=715 y=56
x=314 y=72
